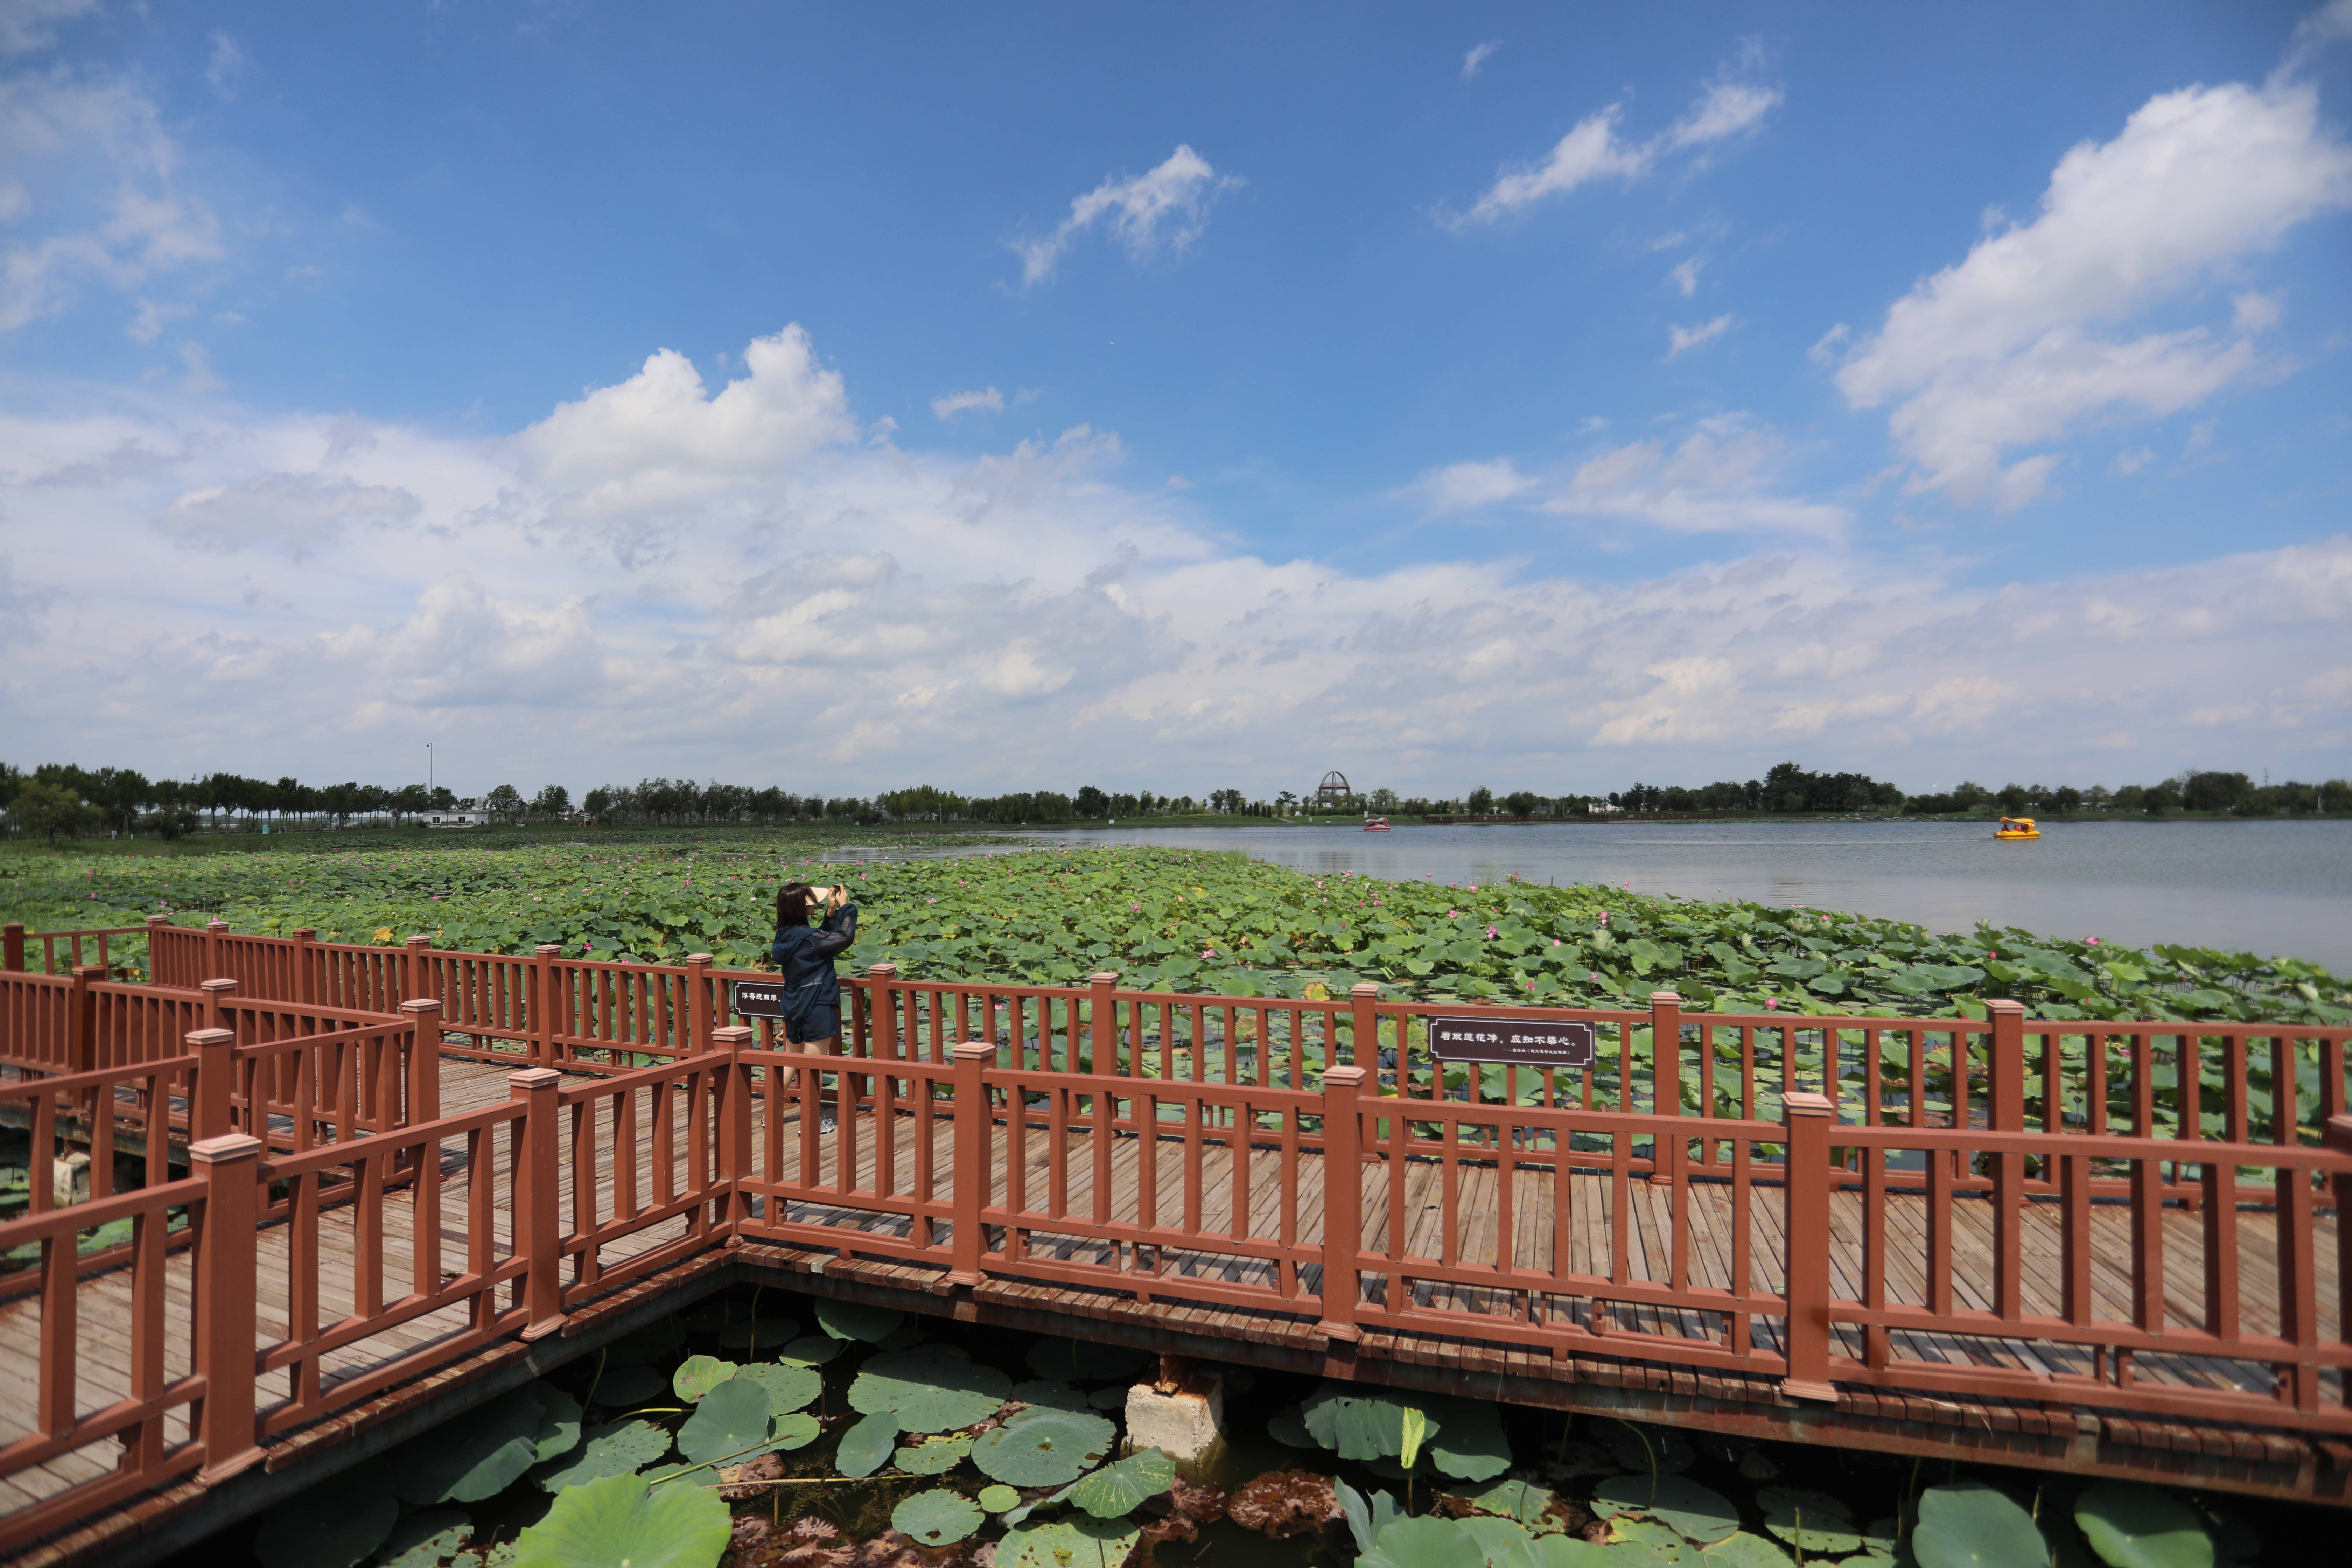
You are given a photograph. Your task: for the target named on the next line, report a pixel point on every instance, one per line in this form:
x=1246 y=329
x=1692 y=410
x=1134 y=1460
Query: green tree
x=504 y=802
x=552 y=804
x=1482 y=802
x=49 y=809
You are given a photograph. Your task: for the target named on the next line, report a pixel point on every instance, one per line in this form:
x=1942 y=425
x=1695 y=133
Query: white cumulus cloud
x=1479 y=56
x=1681 y=339
x=1163 y=209
x=956 y=403
x=1718 y=479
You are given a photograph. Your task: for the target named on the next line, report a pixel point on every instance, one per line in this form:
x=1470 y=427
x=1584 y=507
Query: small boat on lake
x=1376 y=825
x=2017 y=828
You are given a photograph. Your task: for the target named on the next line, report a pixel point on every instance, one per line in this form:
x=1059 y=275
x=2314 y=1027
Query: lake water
x=2264 y=887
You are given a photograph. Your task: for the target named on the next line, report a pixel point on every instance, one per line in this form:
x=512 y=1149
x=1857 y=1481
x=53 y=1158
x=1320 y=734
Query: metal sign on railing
x=759 y=999
x=1521 y=1042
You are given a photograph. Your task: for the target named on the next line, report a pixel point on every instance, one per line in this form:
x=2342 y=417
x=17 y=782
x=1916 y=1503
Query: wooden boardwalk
x=1684 y=1239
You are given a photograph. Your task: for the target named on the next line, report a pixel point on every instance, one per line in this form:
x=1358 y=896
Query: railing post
x=2005 y=1111
x=1343 y=1197
x=418 y=981
x=975 y=1130
x=735 y=1127
x=881 y=1012
x=212 y=1097
x=226 y=1285
x=214 y=928
x=12 y=945
x=1807 y=1117
x=699 y=1022
x=156 y=926
x=1665 y=1056
x=538 y=1220
x=424 y=1060
x=306 y=976
x=1102 y=1039
x=1364 y=1051
x=81 y=1021
x=217 y=995
x=542 y=1004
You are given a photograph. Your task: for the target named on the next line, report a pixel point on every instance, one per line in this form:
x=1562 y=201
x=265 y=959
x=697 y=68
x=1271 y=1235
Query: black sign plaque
x=760 y=998
x=1525 y=1042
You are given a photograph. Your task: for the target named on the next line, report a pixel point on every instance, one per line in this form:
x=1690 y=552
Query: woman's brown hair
x=793 y=900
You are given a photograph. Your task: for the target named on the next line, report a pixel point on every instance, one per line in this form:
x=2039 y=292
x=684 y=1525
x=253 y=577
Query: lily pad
x=332 y=1525
x=932 y=1457
x=867 y=1444
x=932 y=1388
x=1362 y=1425
x=620 y=1520
x=811 y=1350
x=1663 y=1541
x=1040 y=1448
x=1075 y=1542
x=1424 y=1542
x=624 y=1385
x=1083 y=1361
x=427 y=1540
x=855 y=1321
x=1111 y=1398
x=617 y=1448
x=1286 y=1427
x=468 y=1460
x=789 y=1388
x=1465 y=1439
x=1968 y=1525
x=2135 y=1526
x=730 y=1421
x=937 y=1518
x=999 y=1499
x=1045 y=1390
x=1642 y=1449
x=1120 y=1489
x=796 y=1430
x=755 y=1335
x=559 y=1422
x=1741 y=1550
x=698 y=1374
x=1699 y=1513
x=1814 y=1522
x=1498 y=1539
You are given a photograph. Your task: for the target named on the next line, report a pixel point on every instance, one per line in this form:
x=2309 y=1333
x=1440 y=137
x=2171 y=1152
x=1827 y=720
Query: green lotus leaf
x=932 y=1455
x=754 y=1336
x=730 y=1420
x=1082 y=1360
x=796 y=1430
x=1662 y=1542
x=1286 y=1427
x=789 y=1388
x=1573 y=1551
x=617 y=1448
x=1464 y=1438
x=1502 y=1541
x=1700 y=1513
x=1076 y=1542
x=1522 y=1500
x=1360 y=1426
x=1111 y=1398
x=468 y=1460
x=867 y=1445
x=855 y=1321
x=427 y=1540
x=812 y=1349
x=1045 y=1390
x=559 y=1422
x=937 y=1518
x=932 y=1388
x=2130 y=1525
x=1968 y=1525
x=332 y=1525
x=1120 y=1489
x=1741 y=1550
x=1640 y=1447
x=999 y=1499
x=621 y=1522
x=698 y=1374
x=1040 y=1448
x=1425 y=1543
x=1816 y=1522
x=624 y=1385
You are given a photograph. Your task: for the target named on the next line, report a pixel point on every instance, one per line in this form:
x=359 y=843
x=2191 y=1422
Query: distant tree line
x=57 y=800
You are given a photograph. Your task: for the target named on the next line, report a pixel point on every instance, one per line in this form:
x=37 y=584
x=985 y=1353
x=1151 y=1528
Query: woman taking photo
x=805 y=954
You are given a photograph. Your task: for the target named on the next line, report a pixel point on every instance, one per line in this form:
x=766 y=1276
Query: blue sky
x=1545 y=395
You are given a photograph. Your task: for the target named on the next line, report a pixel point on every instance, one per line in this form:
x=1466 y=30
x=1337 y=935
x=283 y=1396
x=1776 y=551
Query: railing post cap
x=306 y=934
x=733 y=1034
x=553 y=950
x=2337 y=1135
x=976 y=1051
x=2003 y=1004
x=152 y=921
x=531 y=1080
x=1664 y=998
x=210 y=1039
x=1370 y=989
x=1805 y=1102
x=699 y=958
x=226 y=1149
x=420 y=940
x=1103 y=977
x=1344 y=1077
x=421 y=1005
x=223 y=985
x=93 y=971
x=216 y=923
x=883 y=970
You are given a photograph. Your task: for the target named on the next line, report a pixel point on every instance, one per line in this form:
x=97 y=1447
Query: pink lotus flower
x=1492 y=931
x=1208 y=953
x=1771 y=1003
x=1555 y=941
x=1452 y=914
x=2092 y=940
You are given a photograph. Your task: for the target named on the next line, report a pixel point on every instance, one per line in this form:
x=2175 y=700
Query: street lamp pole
x=429 y=767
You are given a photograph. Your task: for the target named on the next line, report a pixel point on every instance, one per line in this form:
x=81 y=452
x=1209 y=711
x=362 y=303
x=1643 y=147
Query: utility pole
x=429 y=767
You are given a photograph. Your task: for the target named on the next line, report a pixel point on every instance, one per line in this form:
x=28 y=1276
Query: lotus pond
x=762 y=1428
x=1191 y=920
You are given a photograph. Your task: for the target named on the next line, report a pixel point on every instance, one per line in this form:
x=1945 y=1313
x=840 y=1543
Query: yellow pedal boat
x=2017 y=828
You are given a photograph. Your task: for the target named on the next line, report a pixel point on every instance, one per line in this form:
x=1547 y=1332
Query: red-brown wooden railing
x=1792 y=1199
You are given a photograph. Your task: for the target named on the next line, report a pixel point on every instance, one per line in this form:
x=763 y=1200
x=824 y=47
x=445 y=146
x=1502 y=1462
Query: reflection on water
x=2264 y=887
